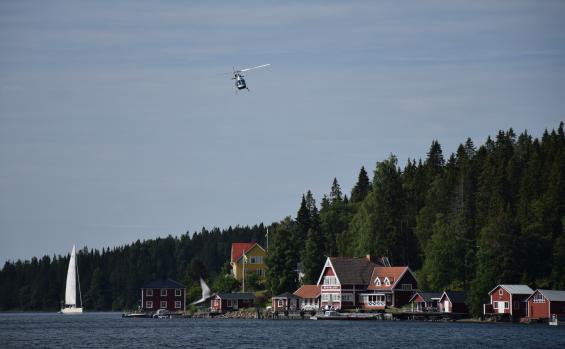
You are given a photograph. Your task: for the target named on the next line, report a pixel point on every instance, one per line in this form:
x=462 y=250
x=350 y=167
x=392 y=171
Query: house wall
x=221 y=305
x=170 y=298
x=538 y=310
x=495 y=296
x=237 y=267
x=557 y=308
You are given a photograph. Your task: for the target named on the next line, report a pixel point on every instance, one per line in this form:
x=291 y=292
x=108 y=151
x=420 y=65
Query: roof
x=168 y=283
x=286 y=295
x=515 y=289
x=394 y=274
x=308 y=291
x=552 y=295
x=237 y=295
x=353 y=270
x=455 y=296
x=427 y=296
x=239 y=248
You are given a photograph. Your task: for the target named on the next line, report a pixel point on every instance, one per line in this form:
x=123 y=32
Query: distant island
x=484 y=215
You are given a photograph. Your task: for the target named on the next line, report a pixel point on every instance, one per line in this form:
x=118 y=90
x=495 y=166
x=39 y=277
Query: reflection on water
x=110 y=330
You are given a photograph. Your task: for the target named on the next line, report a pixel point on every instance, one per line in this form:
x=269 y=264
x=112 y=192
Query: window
x=325 y=297
x=163 y=304
x=149 y=292
x=260 y=272
x=280 y=303
x=229 y=303
x=330 y=280
x=388 y=297
x=347 y=297
x=149 y=305
x=178 y=292
x=500 y=292
x=506 y=306
x=378 y=281
x=163 y=292
x=407 y=287
x=256 y=259
x=374 y=300
x=495 y=305
x=538 y=298
x=336 y=297
x=178 y=304
x=387 y=281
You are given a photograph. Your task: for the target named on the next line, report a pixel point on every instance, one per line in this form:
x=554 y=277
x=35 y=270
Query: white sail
x=71 y=289
x=71 y=306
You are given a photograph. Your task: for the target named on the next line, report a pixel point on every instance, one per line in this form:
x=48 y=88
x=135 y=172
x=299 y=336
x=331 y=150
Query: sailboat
x=71 y=306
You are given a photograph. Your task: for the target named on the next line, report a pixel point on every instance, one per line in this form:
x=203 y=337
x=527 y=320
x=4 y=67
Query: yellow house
x=254 y=256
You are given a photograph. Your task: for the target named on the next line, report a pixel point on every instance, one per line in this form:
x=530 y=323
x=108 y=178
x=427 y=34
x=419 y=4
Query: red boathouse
x=509 y=300
x=163 y=294
x=542 y=304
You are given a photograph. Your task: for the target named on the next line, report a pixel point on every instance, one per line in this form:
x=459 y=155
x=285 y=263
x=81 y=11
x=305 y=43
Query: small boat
x=557 y=320
x=70 y=306
x=136 y=314
x=162 y=314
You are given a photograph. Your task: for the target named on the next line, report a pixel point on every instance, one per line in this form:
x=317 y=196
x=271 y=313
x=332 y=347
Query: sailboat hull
x=71 y=311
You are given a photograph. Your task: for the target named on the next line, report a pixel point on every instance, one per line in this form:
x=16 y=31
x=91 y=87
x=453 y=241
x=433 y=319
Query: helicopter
x=238 y=76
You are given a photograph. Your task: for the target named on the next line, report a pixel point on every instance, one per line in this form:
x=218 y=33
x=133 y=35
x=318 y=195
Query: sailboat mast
x=79 y=292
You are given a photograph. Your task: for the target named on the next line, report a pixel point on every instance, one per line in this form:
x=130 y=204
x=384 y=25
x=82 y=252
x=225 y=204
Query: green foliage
x=489 y=214
x=225 y=283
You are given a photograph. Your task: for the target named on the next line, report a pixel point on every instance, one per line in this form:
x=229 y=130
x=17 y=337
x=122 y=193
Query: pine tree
x=362 y=187
x=313 y=256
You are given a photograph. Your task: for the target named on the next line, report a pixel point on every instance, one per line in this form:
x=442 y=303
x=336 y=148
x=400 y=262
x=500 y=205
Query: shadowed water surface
x=109 y=330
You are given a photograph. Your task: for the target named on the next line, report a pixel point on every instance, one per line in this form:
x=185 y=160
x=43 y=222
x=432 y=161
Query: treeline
x=479 y=217
x=468 y=221
x=111 y=278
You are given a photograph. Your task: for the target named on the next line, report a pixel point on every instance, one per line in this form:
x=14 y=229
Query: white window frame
x=163 y=292
x=330 y=280
x=260 y=272
x=178 y=304
x=500 y=292
x=325 y=297
x=178 y=292
x=538 y=298
x=229 y=303
x=495 y=305
x=347 y=297
x=163 y=305
x=149 y=304
x=378 y=281
x=506 y=305
x=149 y=292
x=280 y=303
x=387 y=281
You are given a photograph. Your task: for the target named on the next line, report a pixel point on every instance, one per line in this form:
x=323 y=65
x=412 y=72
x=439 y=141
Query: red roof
x=308 y=291
x=392 y=273
x=237 y=249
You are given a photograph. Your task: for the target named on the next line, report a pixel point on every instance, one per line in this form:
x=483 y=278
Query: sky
x=119 y=121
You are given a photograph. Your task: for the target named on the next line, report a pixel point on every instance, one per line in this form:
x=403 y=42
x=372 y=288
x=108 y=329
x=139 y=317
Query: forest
x=484 y=215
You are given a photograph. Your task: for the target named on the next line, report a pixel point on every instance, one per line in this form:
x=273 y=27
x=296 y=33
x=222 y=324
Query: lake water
x=94 y=330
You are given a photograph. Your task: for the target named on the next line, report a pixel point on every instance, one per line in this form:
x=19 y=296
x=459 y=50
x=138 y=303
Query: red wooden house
x=223 y=302
x=509 y=300
x=309 y=296
x=163 y=294
x=286 y=301
x=389 y=287
x=453 y=302
x=425 y=301
x=342 y=280
x=542 y=304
